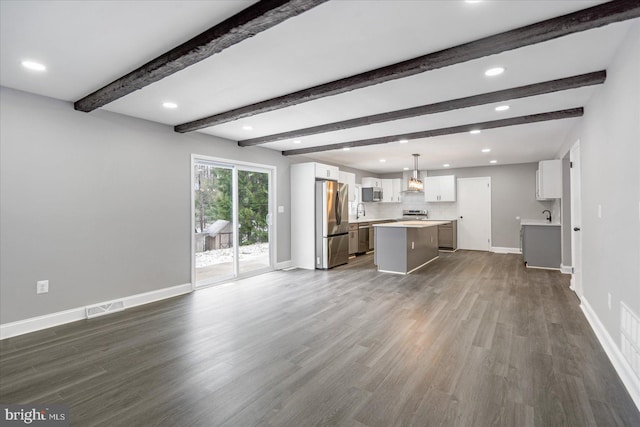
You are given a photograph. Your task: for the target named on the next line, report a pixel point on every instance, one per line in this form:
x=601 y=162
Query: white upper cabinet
x=440 y=188
x=368 y=182
x=397 y=190
x=327 y=172
x=349 y=179
x=549 y=180
x=391 y=190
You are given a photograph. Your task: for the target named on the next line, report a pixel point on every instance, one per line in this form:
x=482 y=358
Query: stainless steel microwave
x=371 y=194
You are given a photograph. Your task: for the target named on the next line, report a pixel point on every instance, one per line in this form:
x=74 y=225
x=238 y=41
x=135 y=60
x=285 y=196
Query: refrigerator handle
x=337 y=207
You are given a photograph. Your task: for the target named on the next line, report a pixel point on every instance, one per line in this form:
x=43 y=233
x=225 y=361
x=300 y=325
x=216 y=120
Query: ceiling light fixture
x=346 y=149
x=446 y=165
x=405 y=169
x=297 y=141
x=247 y=127
x=502 y=108
x=414 y=182
x=474 y=132
x=486 y=150
x=403 y=141
x=383 y=160
x=170 y=105
x=494 y=71
x=34 y=66
x=493 y=161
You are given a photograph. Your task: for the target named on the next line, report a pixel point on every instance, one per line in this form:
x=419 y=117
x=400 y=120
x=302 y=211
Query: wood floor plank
x=474 y=338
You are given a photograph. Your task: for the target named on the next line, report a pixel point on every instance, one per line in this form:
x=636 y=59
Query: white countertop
x=538 y=222
x=412 y=224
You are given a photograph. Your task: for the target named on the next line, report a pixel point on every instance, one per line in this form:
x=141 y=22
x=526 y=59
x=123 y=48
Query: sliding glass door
x=232 y=212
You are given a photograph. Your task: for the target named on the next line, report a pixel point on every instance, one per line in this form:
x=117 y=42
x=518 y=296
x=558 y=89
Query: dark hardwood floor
x=472 y=339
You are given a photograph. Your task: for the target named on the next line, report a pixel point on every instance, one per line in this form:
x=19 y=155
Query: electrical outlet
x=42 y=286
x=280 y=209
x=599 y=211
x=609 y=300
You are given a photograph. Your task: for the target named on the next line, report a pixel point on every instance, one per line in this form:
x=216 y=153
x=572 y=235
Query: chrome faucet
x=358 y=210
x=549 y=214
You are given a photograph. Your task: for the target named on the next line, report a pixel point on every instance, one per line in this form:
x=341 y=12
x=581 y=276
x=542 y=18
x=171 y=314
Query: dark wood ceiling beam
x=243 y=25
x=586 y=19
x=513 y=121
x=573 y=82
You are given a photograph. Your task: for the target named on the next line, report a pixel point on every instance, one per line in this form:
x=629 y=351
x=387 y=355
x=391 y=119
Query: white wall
x=609 y=137
x=99 y=204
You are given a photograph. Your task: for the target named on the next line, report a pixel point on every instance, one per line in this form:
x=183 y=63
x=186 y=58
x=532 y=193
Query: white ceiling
x=86 y=45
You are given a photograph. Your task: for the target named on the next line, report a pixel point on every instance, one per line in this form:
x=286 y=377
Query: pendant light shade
x=415 y=184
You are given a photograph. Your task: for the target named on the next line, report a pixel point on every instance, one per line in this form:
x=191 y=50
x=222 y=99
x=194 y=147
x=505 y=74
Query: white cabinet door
x=549 y=180
x=349 y=179
x=387 y=190
x=448 y=188
x=397 y=190
x=327 y=172
x=431 y=188
x=371 y=182
x=440 y=188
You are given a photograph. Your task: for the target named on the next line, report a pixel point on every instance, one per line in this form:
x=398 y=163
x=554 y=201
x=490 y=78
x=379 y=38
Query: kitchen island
x=405 y=246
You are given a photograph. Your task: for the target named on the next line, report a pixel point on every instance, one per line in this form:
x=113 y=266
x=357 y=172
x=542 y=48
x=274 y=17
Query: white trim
x=38 y=323
x=566 y=269
x=542 y=268
x=504 y=250
x=620 y=364
x=284 y=264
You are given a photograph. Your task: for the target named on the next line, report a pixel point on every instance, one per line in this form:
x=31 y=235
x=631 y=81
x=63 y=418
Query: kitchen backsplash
x=441 y=210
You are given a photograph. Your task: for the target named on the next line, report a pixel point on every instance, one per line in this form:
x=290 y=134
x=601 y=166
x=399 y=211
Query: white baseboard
x=501 y=250
x=620 y=364
x=284 y=264
x=38 y=323
x=566 y=269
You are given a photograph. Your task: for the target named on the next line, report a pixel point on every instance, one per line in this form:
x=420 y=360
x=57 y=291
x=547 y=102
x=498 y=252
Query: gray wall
x=99 y=204
x=513 y=194
x=609 y=135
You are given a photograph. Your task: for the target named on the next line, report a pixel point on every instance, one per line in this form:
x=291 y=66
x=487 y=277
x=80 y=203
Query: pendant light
x=415 y=184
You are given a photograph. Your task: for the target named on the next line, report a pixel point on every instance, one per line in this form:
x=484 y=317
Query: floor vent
x=102 y=309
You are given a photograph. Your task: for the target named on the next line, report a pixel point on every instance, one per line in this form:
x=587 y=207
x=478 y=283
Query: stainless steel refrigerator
x=332 y=224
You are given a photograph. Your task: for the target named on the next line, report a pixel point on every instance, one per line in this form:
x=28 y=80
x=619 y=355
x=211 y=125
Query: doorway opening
x=576 y=220
x=232 y=227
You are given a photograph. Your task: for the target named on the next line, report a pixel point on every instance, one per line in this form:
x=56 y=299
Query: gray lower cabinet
x=541 y=246
x=448 y=236
x=353 y=239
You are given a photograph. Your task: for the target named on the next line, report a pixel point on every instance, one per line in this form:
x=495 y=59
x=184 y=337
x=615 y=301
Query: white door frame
x=576 y=219
x=234 y=166
x=486 y=179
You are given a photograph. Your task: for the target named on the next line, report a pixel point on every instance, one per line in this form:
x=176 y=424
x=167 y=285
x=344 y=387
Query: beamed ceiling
x=316 y=77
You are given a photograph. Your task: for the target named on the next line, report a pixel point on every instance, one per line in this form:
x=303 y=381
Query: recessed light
x=493 y=161
x=170 y=105
x=405 y=169
x=34 y=66
x=446 y=165
x=346 y=149
x=486 y=150
x=297 y=141
x=403 y=141
x=383 y=160
x=494 y=71
x=474 y=132
x=247 y=127
x=473 y=1
x=502 y=108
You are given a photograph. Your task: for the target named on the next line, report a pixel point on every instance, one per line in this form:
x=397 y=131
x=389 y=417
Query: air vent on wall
x=102 y=309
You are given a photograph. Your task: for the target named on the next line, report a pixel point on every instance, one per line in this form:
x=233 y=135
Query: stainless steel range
x=415 y=214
